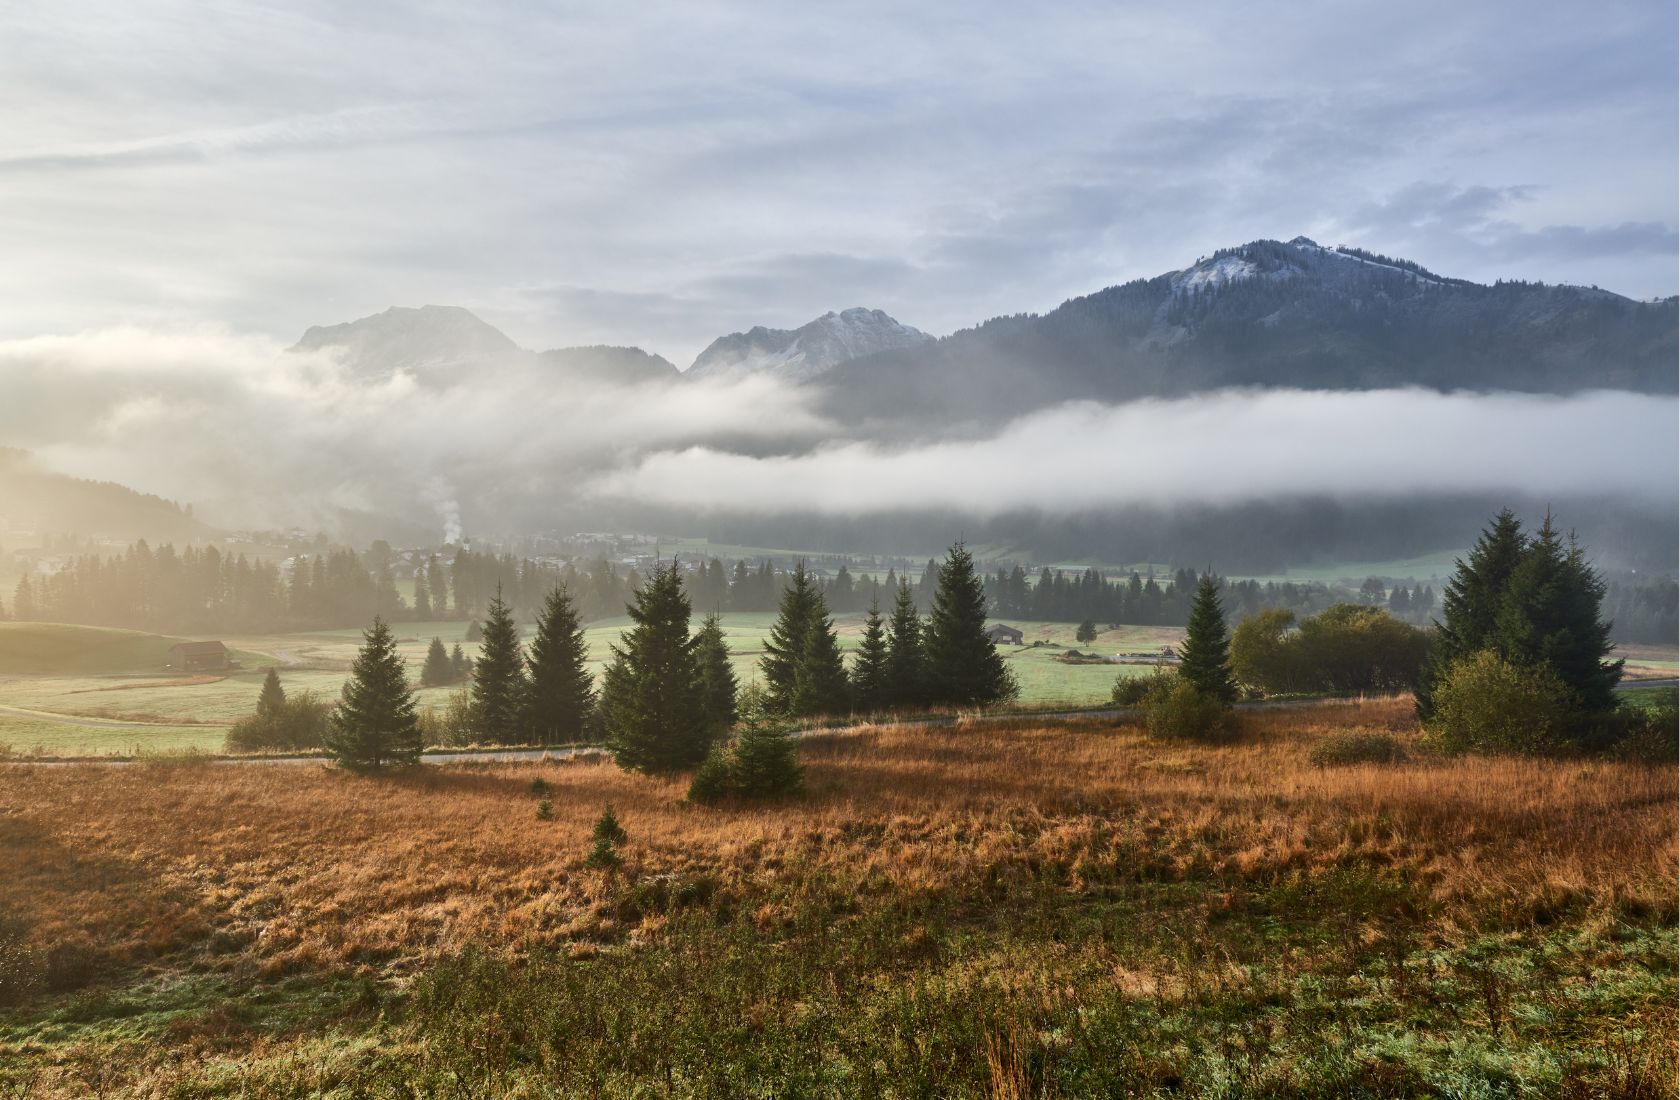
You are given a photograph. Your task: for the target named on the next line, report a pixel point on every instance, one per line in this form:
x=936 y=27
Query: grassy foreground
x=980 y=911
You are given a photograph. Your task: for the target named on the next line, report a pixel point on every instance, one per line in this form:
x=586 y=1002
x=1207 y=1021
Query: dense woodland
x=205 y=590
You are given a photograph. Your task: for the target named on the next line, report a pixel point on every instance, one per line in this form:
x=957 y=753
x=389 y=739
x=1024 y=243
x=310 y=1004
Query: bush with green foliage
x=608 y=836
x=760 y=763
x=295 y=724
x=1176 y=709
x=1485 y=703
x=1131 y=691
x=449 y=725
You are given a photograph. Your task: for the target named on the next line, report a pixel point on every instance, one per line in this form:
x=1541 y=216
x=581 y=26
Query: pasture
x=1021 y=910
x=75 y=691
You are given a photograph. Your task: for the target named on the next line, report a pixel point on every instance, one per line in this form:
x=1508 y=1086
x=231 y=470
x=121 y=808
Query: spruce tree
x=869 y=669
x=906 y=675
x=1549 y=615
x=271 y=704
x=1205 y=657
x=499 y=685
x=650 y=697
x=437 y=669
x=374 y=725
x=458 y=662
x=964 y=668
x=785 y=647
x=422 y=596
x=717 y=677
x=560 y=696
x=1471 y=601
x=764 y=762
x=819 y=682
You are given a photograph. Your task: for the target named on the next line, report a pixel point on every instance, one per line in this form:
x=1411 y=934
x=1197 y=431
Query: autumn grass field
x=1019 y=910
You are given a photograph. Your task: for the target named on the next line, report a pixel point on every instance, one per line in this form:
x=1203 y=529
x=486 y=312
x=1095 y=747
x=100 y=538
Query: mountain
x=1273 y=313
x=439 y=344
x=808 y=351
x=428 y=342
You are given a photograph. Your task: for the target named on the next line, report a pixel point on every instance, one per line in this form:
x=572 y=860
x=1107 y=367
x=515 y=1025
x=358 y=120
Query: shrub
x=1173 y=708
x=1648 y=736
x=449 y=726
x=1484 y=703
x=1130 y=691
x=295 y=724
x=545 y=810
x=608 y=834
x=761 y=763
x=1358 y=748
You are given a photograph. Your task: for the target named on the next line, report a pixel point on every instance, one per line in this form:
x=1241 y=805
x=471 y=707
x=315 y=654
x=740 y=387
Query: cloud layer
x=260 y=437
x=1225 y=448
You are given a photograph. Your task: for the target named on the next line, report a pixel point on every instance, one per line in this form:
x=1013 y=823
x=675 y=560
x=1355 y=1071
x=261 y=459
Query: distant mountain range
x=804 y=353
x=438 y=344
x=1268 y=313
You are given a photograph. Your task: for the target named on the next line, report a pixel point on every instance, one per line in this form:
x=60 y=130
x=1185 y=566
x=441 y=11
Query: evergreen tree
x=560 y=699
x=784 y=649
x=1549 y=616
x=422 y=596
x=650 y=698
x=964 y=668
x=23 y=600
x=272 y=702
x=869 y=669
x=1471 y=601
x=499 y=686
x=1205 y=657
x=819 y=683
x=375 y=724
x=765 y=760
x=608 y=834
x=906 y=674
x=458 y=662
x=717 y=677
x=437 y=669
x=1087 y=632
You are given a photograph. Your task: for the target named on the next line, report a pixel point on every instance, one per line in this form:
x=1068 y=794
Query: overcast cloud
x=658 y=174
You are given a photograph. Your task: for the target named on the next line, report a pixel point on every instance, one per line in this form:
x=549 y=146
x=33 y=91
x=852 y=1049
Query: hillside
x=1271 y=313
x=35 y=502
x=55 y=649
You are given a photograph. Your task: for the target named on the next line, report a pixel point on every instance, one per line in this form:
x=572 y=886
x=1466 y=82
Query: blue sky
x=661 y=174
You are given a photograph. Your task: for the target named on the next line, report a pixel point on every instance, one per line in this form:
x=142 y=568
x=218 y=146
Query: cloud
x=1226 y=448
x=257 y=436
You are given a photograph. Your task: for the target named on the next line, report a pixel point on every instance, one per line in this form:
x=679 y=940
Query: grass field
x=109 y=694
x=973 y=911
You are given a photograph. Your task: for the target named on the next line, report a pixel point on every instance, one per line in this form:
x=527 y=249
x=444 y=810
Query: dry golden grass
x=301 y=866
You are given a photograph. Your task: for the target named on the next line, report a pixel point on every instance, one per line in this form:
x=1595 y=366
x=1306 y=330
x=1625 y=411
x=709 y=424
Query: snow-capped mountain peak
x=808 y=351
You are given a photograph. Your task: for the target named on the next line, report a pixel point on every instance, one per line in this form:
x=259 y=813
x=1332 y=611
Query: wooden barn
x=1005 y=635
x=198 y=657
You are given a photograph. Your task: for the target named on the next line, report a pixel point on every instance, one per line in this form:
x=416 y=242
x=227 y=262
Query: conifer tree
x=422 y=596
x=764 y=762
x=1471 y=601
x=819 y=682
x=784 y=649
x=374 y=725
x=1205 y=657
x=906 y=676
x=964 y=668
x=1549 y=616
x=458 y=662
x=869 y=669
x=437 y=669
x=650 y=697
x=560 y=699
x=23 y=600
x=272 y=702
x=499 y=685
x=717 y=677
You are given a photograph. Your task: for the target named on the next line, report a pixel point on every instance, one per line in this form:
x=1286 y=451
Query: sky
x=660 y=174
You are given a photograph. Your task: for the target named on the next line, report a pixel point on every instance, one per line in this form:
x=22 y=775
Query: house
x=1005 y=635
x=198 y=656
